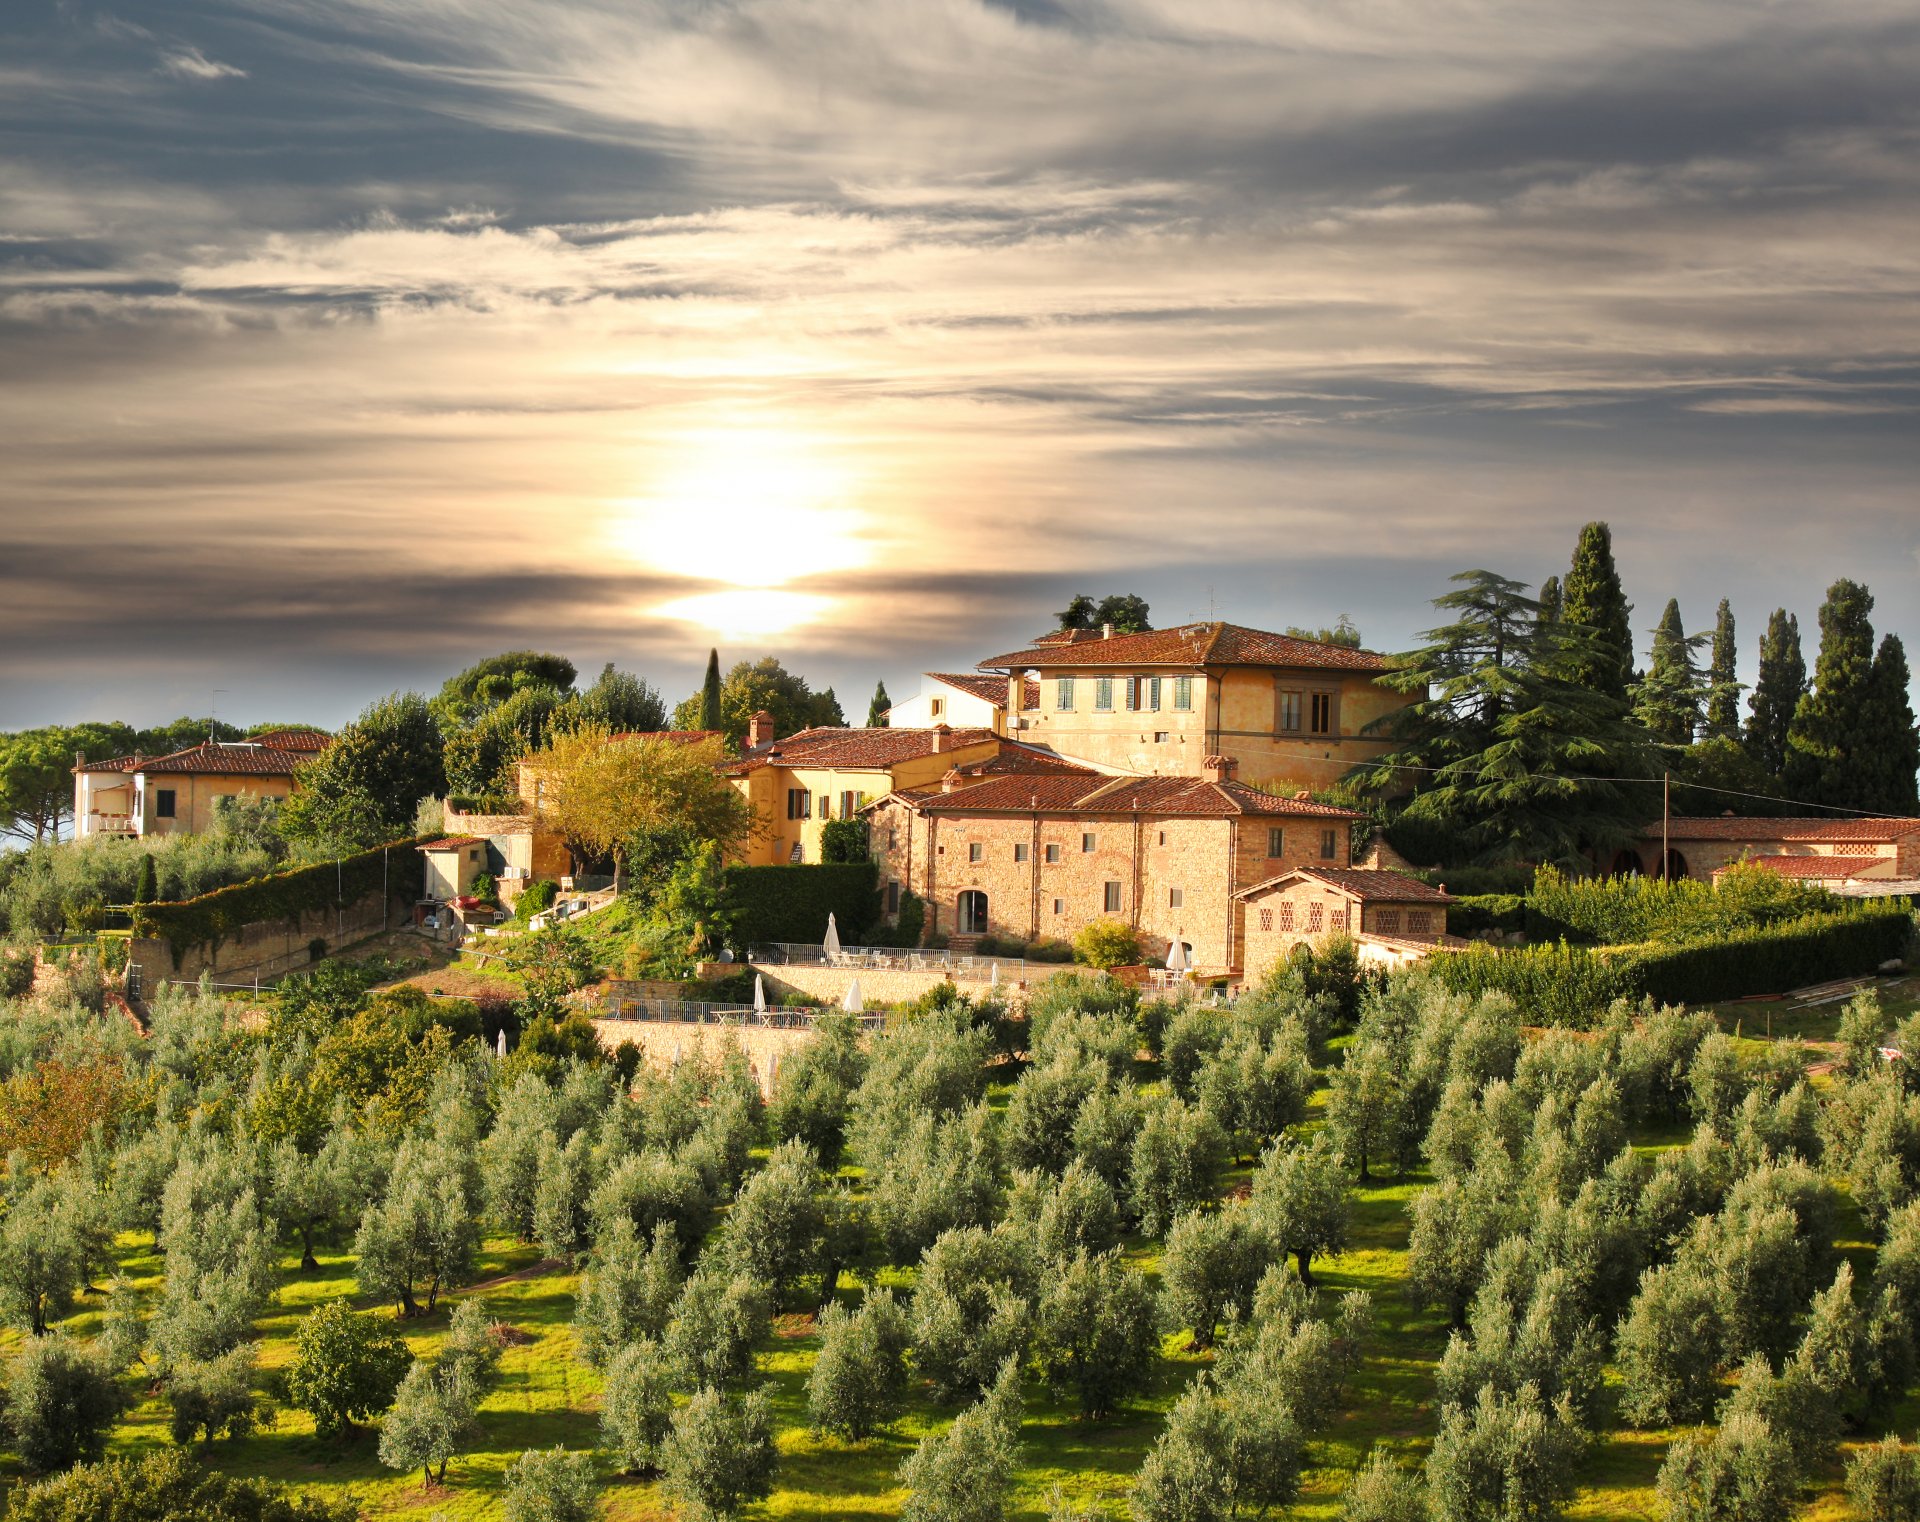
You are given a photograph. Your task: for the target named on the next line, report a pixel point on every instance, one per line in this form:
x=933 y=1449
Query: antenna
x=213 y=707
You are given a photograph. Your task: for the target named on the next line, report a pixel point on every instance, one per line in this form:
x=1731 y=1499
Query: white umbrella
x=831 y=945
x=993 y=980
x=759 y=995
x=500 y=1049
x=1177 y=956
x=851 y=1003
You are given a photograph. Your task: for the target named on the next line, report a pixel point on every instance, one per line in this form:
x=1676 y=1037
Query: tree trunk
x=408 y=1307
x=442 y=1476
x=426 y=1476
x=307 y=1260
x=1301 y=1257
x=829 y=1284
x=433 y=1293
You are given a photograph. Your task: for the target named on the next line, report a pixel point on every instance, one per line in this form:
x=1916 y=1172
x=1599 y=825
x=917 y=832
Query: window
x=1338 y=920
x=1133 y=694
x=1266 y=919
x=937 y=707
x=1063 y=694
x=799 y=803
x=1112 y=898
x=1286 y=711
x=1059 y=906
x=826 y=806
x=1329 y=844
x=1276 y=841
x=1417 y=922
x=1323 y=713
x=1315 y=913
x=1103 y=694
x=850 y=804
x=976 y=851
x=1183 y=692
x=1176 y=898
x=1153 y=693
x=1286 y=915
x=1087 y=842
x=1021 y=851
x=1163 y=837
x=163 y=803
x=1387 y=921
x=889 y=837
x=1053 y=853
x=893 y=898
x=1161 y=736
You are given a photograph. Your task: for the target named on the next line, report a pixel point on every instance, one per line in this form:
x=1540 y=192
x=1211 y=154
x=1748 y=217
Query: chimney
x=1219 y=768
x=942 y=737
x=1106 y=631
x=760 y=729
x=951 y=781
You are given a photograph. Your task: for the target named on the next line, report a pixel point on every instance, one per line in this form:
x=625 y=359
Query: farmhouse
x=1395 y=918
x=181 y=792
x=1828 y=850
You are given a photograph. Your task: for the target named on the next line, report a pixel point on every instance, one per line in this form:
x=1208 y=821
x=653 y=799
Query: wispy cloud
x=191 y=63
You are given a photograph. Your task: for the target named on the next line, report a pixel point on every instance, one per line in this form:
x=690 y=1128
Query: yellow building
x=1290 y=711
x=179 y=793
x=797 y=784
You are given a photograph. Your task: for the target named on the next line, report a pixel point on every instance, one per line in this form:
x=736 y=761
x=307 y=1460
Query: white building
x=961 y=700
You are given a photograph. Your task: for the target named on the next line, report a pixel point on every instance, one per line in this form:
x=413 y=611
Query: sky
x=341 y=345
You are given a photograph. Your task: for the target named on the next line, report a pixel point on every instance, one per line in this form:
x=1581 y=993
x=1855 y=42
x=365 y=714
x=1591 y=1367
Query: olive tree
x=859 y=1379
x=719 y=1454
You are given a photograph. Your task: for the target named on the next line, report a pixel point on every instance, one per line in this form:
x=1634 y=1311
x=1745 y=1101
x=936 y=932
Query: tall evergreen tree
x=1723 y=682
x=1892 y=755
x=1592 y=598
x=710 y=693
x=1830 y=742
x=1551 y=599
x=1667 y=699
x=877 y=709
x=1782 y=683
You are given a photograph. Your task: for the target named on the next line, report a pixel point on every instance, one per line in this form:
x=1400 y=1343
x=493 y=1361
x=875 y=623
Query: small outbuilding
x=1395 y=918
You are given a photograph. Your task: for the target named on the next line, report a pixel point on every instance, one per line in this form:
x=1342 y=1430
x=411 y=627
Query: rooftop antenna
x=212 y=709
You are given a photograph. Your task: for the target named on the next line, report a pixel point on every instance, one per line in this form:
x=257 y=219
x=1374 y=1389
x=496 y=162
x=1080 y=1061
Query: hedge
x=284 y=895
x=791 y=903
x=1615 y=911
x=1561 y=984
x=1471 y=914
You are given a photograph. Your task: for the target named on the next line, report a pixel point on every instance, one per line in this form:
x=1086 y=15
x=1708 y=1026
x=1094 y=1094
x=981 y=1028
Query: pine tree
x=1782 y=683
x=1592 y=598
x=1830 y=742
x=1723 y=683
x=710 y=694
x=1667 y=699
x=877 y=709
x=1891 y=755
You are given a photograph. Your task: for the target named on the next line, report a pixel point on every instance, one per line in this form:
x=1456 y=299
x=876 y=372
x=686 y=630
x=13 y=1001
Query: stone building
x=1855 y=849
x=1290 y=711
x=1045 y=852
x=1395 y=918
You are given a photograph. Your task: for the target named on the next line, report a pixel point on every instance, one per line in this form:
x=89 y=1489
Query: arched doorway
x=1676 y=866
x=1627 y=864
x=972 y=913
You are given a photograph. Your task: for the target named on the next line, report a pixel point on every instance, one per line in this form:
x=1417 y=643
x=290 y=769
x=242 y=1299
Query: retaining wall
x=269 y=949
x=884 y=985
x=666 y=1043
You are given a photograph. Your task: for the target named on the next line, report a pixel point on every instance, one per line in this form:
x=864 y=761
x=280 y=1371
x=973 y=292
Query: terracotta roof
x=239 y=758
x=310 y=740
x=1368 y=886
x=1748 y=827
x=1186 y=796
x=454 y=843
x=1817 y=868
x=989 y=689
x=1026 y=760
x=1193 y=645
x=677 y=736
x=852 y=749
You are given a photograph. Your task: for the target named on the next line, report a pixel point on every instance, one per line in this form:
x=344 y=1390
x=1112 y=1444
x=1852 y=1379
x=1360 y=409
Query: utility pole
x=1666 y=825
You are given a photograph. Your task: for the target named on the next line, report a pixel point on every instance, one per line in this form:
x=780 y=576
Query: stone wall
x=879 y=985
x=267 y=950
x=666 y=1043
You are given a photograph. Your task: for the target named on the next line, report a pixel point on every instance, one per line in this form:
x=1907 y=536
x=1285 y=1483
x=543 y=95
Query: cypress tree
x=1892 y=755
x=710 y=694
x=1667 y=699
x=877 y=709
x=1830 y=740
x=1723 y=684
x=1782 y=683
x=147 y=887
x=1550 y=601
x=1592 y=597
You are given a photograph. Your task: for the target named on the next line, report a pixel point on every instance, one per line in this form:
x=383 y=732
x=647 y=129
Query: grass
x=547 y=1396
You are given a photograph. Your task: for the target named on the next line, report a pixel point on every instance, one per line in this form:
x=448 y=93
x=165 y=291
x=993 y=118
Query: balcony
x=111 y=824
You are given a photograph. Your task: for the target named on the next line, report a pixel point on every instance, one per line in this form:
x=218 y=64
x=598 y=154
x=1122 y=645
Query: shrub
x=791 y=903
x=843 y=841
x=554 y=1486
x=1106 y=944
x=1474 y=915
x=167 y=1485
x=60 y=1403
x=346 y=1368
x=1883 y=1482
x=16 y=972
x=213 y=1399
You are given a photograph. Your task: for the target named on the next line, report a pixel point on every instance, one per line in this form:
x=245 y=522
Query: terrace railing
x=900 y=959
x=703 y=1012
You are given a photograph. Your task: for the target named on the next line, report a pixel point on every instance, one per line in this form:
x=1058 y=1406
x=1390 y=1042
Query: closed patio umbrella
x=851 y=1003
x=759 y=995
x=831 y=945
x=1177 y=956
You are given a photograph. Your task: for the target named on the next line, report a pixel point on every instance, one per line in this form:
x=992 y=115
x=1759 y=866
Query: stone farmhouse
x=1395 y=918
x=1290 y=711
x=180 y=793
x=1831 y=852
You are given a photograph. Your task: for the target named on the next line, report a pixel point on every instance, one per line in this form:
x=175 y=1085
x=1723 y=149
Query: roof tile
x=1749 y=827
x=852 y=749
x=1192 y=645
x=1180 y=796
x=1362 y=883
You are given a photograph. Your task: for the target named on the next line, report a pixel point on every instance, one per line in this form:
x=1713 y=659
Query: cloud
x=192 y=64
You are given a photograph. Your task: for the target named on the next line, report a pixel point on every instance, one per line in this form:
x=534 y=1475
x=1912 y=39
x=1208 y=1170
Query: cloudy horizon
x=339 y=348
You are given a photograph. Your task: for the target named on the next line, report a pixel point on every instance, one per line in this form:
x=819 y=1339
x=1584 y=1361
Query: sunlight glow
x=752 y=612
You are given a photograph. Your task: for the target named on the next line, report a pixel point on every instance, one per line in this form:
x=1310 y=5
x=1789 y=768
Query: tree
x=720 y=1454
x=550 y=1486
x=1723 y=681
x=972 y=1309
x=365 y=786
x=1300 y=1201
x=712 y=716
x=1883 y=1482
x=813 y=1094
x=1743 y=1472
x=779 y=1232
x=1344 y=633
x=214 y=1399
x=600 y=793
x=346 y=1368
x=1829 y=743
x=147 y=888
x=1550 y=600
x=167 y=1485
x=1455 y=1225
x=489 y=683
x=60 y=1403
x=423 y=1231
x=755 y=685
x=1668 y=700
x=964 y=1473
x=860 y=1377
x=628 y=1290
x=1381 y=1491
x=482 y=757
x=220 y=1259
x=1669 y=1347
x=1777 y=693
x=433 y=1417
x=1225 y=1452
x=636 y=1412
x=1106 y=944
x=716 y=1322
x=1506 y=1456
x=1214 y=1261
x=1891 y=753
x=40 y=1267
x=878 y=705
x=1176 y=1160
x=1592 y=598
x=1096 y=1330
x=622 y=702
x=36 y=774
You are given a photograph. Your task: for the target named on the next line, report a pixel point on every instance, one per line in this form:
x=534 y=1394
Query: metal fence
x=898 y=959
x=702 y=1012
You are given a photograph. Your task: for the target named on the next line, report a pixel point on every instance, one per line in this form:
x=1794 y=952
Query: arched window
x=1676 y=865
x=972 y=915
x=1627 y=864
